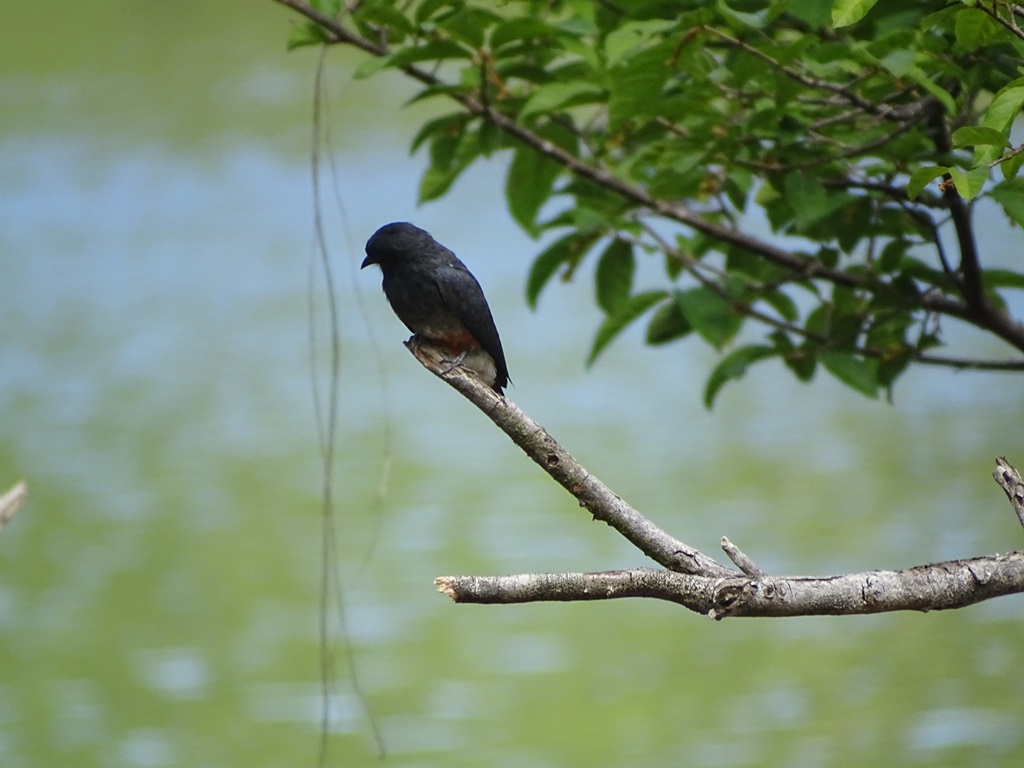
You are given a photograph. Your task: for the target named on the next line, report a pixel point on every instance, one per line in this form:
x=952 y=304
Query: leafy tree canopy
x=805 y=171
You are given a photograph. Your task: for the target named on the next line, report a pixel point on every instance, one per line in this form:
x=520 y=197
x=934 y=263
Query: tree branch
x=693 y=579
x=11 y=502
x=1010 y=481
x=1009 y=24
x=939 y=586
x=591 y=493
x=998 y=322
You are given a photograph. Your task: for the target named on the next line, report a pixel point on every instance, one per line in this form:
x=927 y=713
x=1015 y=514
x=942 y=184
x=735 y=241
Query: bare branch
x=694 y=592
x=590 y=492
x=939 y=586
x=11 y=502
x=695 y=580
x=1010 y=481
x=743 y=562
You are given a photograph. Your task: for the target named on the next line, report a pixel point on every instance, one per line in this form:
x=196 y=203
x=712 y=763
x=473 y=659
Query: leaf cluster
x=800 y=169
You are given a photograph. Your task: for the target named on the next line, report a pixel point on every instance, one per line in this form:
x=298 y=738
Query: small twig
x=903 y=113
x=742 y=560
x=1010 y=25
x=11 y=502
x=1010 y=481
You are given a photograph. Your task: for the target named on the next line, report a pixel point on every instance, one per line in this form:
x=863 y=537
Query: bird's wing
x=464 y=296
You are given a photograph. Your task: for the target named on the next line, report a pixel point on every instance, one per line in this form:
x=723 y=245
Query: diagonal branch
x=1010 y=481
x=693 y=579
x=11 y=502
x=591 y=493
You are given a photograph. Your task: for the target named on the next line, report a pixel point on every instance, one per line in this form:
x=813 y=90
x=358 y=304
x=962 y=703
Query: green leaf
x=528 y=185
x=532 y=175
x=974 y=29
x=632 y=35
x=972 y=135
x=892 y=254
x=809 y=199
x=734 y=366
x=565 y=250
x=782 y=304
x=615 y=324
x=518 y=29
x=969 y=183
x=892 y=365
x=924 y=79
x=428 y=8
x=1010 y=195
x=710 y=315
x=802 y=361
x=1011 y=166
x=1004 y=109
x=327 y=7
x=451 y=125
x=846 y=12
x=814 y=13
x=855 y=372
x=306 y=33
x=438 y=50
x=668 y=323
x=1002 y=278
x=468 y=24
x=920 y=178
x=614 y=278
x=552 y=97
x=371 y=66
x=385 y=17
x=450 y=155
x=637 y=83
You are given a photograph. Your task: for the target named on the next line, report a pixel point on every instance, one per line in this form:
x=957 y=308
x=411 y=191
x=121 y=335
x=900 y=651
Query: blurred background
x=159 y=593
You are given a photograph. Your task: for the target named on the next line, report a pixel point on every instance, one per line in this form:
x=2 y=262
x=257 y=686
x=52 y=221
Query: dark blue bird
x=438 y=299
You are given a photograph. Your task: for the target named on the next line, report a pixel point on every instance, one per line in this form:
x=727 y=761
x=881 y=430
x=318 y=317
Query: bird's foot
x=419 y=345
x=454 y=362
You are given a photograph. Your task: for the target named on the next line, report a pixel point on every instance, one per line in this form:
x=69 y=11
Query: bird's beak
x=368 y=261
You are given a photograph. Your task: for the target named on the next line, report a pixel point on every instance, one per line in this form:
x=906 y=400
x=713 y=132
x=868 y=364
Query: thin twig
x=1010 y=481
x=742 y=560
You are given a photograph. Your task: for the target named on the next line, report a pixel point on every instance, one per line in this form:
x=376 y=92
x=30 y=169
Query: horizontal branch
x=939 y=586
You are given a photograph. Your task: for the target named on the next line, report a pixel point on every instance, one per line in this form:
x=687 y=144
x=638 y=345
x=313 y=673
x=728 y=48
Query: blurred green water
x=159 y=594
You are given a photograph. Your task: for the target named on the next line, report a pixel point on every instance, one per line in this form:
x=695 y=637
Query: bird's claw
x=453 y=363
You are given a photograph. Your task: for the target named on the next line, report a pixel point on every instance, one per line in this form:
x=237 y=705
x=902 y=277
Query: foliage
x=806 y=173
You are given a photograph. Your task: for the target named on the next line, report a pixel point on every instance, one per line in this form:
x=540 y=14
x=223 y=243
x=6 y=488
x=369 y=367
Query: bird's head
x=395 y=243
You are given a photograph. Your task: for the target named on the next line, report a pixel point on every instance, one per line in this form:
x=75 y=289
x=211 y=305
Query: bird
x=438 y=299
